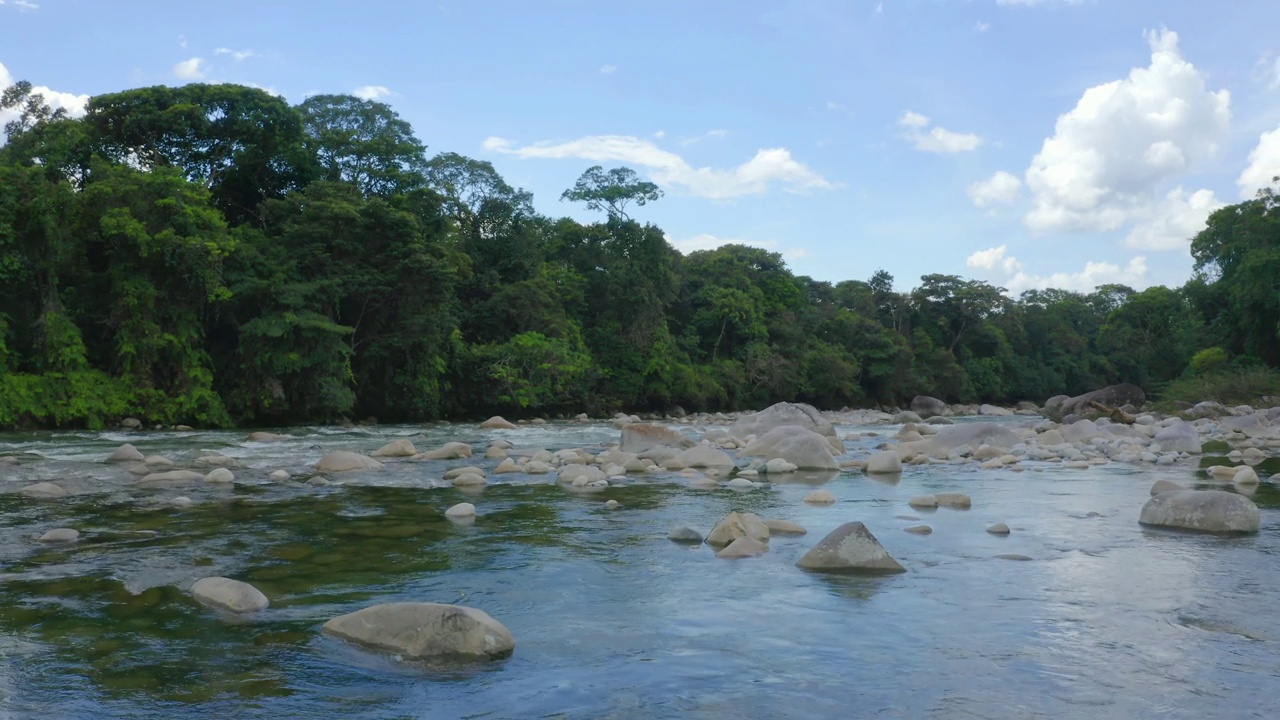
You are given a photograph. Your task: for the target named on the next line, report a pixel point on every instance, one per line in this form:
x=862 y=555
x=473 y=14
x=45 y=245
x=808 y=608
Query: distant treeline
x=211 y=255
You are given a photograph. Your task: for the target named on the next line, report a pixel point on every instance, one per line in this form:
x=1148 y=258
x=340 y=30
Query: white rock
x=279 y=476
x=425 y=631
x=850 y=548
x=396 y=448
x=60 y=535
x=220 y=475
x=461 y=510
x=228 y=595
x=886 y=462
x=820 y=497
x=125 y=453
x=43 y=490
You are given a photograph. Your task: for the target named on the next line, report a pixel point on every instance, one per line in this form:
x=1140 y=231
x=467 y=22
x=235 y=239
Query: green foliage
x=210 y=255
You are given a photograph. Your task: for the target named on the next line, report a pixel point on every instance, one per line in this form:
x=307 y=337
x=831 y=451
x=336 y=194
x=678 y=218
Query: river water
x=612 y=620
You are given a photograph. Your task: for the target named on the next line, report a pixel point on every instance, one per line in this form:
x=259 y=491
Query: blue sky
x=1030 y=143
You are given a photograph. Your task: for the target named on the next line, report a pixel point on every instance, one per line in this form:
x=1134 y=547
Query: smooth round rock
x=1161 y=486
x=612 y=504
x=820 y=497
x=461 y=510
x=425 y=631
x=743 y=547
x=783 y=527
x=125 y=453
x=60 y=535
x=279 y=476
x=228 y=595
x=43 y=491
x=1216 y=511
x=998 y=529
x=960 y=501
x=684 y=534
x=923 y=502
x=1012 y=556
x=740 y=484
x=919 y=529
x=220 y=475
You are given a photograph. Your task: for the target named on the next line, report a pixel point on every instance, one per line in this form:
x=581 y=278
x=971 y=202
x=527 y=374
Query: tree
x=612 y=191
x=363 y=142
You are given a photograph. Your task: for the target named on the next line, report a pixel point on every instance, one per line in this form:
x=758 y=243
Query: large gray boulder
x=850 y=548
x=702 y=456
x=800 y=446
x=780 y=414
x=401 y=447
x=885 y=462
x=738 y=525
x=228 y=595
x=1216 y=511
x=638 y=437
x=1179 y=437
x=927 y=407
x=425 y=631
x=346 y=461
x=972 y=434
x=1112 y=396
x=170 y=478
x=125 y=453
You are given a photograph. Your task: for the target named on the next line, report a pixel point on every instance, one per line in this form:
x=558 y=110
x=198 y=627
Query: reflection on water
x=610 y=618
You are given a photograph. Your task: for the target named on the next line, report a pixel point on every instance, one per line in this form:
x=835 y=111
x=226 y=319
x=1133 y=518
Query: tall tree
x=363 y=142
x=610 y=192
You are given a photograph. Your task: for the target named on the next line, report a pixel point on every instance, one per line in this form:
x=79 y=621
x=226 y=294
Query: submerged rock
x=447 y=451
x=266 y=437
x=684 y=534
x=1204 y=510
x=229 y=595
x=850 y=548
x=820 y=497
x=425 y=631
x=170 y=478
x=346 y=461
x=220 y=475
x=44 y=491
x=919 y=530
x=743 y=547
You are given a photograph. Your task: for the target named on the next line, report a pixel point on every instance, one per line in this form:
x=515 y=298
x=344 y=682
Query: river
x=1107 y=620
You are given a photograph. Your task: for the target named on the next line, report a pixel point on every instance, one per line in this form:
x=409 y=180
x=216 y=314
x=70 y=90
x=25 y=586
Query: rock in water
x=125 y=453
x=919 y=529
x=701 y=456
x=461 y=510
x=800 y=446
x=229 y=595
x=638 y=437
x=425 y=631
x=927 y=407
x=850 y=548
x=1163 y=486
x=743 y=547
x=820 y=497
x=998 y=529
x=60 y=535
x=344 y=461
x=1204 y=510
x=885 y=462
x=684 y=535
x=736 y=525
x=779 y=414
x=266 y=437
x=396 y=448
x=783 y=527
x=43 y=490
x=497 y=422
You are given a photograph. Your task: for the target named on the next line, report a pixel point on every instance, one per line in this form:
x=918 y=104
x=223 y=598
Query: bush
x=1209 y=360
x=1231 y=386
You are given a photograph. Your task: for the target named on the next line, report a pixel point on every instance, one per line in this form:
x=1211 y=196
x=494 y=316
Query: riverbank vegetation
x=211 y=255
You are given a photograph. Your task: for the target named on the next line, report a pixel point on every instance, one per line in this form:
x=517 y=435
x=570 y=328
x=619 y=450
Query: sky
x=1028 y=143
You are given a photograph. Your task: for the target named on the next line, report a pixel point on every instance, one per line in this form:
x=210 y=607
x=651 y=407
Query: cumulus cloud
x=237 y=55
x=21 y=5
x=1172 y=223
x=769 y=167
x=707 y=241
x=72 y=103
x=1113 y=156
x=371 y=92
x=1007 y=271
x=608 y=69
x=1264 y=164
x=935 y=139
x=192 y=69
x=999 y=188
x=717 y=134
x=983 y=27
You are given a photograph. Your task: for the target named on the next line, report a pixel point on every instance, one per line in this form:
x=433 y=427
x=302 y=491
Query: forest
x=214 y=256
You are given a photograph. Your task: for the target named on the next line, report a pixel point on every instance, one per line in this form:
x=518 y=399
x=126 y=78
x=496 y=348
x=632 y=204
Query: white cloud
x=879 y=8
x=1264 y=164
x=1114 y=155
x=192 y=69
x=983 y=27
x=608 y=69
x=22 y=5
x=371 y=92
x=1172 y=223
x=1008 y=272
x=716 y=134
x=936 y=140
x=182 y=41
x=237 y=55
x=1032 y=3
x=73 y=104
x=769 y=167
x=660 y=134
x=993 y=258
x=999 y=188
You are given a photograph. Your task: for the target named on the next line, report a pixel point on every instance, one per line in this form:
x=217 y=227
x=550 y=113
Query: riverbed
x=611 y=619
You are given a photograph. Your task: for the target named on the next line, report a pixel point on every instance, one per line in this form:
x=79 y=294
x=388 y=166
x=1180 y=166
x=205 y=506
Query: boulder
x=425 y=631
x=919 y=530
x=507 y=466
x=777 y=415
x=468 y=479
x=346 y=461
x=469 y=469
x=927 y=407
x=228 y=595
x=1216 y=511
x=850 y=548
x=279 y=476
x=1163 y=486
x=1179 y=437
x=907 y=416
x=994 y=411
x=43 y=490
x=960 y=501
x=820 y=497
x=497 y=422
x=923 y=502
x=998 y=529
x=1112 y=396
x=447 y=451
x=60 y=535
x=800 y=446
x=170 y=478
x=736 y=525
x=638 y=437
x=131 y=423
x=125 y=453
x=220 y=475
x=972 y=434
x=461 y=510
x=783 y=527
x=396 y=448
x=266 y=437
x=1208 y=409
x=743 y=547
x=684 y=534
x=587 y=474
x=885 y=462
x=702 y=456
x=778 y=466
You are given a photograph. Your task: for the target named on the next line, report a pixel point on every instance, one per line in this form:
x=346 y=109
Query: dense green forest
x=211 y=255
